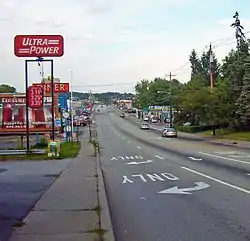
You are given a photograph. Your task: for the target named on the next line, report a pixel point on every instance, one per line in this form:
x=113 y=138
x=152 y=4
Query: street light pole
x=170 y=98
x=71 y=103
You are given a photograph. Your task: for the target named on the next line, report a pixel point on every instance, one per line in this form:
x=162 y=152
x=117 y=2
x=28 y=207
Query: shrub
x=193 y=129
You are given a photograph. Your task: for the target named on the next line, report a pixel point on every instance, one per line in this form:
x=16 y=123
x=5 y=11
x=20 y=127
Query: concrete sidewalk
x=74 y=207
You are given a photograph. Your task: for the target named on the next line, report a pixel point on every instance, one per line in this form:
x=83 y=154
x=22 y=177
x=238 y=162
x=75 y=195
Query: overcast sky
x=115 y=43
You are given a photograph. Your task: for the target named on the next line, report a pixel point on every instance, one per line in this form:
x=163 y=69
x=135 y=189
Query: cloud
x=113 y=41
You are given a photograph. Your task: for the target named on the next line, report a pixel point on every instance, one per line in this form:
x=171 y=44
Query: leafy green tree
x=4 y=88
x=243 y=102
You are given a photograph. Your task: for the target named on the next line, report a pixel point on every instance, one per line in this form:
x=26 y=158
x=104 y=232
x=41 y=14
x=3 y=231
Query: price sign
x=35 y=97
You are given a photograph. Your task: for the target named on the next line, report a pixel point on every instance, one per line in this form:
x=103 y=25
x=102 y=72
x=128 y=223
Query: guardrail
x=21 y=152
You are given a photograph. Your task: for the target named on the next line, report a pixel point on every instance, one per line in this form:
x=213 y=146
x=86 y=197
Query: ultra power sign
x=38 y=46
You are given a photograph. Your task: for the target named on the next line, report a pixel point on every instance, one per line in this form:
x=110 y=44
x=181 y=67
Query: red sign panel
x=38 y=46
x=35 y=97
x=58 y=87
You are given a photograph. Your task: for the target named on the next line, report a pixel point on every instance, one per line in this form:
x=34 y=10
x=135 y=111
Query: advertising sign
x=58 y=87
x=35 y=97
x=38 y=46
x=13 y=117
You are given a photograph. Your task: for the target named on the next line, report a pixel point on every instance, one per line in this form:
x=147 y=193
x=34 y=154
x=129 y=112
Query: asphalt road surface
x=162 y=189
x=21 y=185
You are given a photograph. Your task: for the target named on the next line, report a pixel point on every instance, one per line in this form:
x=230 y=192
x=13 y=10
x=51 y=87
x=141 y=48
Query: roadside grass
x=67 y=150
x=228 y=134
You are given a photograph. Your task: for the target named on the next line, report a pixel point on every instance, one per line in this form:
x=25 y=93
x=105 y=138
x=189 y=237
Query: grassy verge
x=229 y=134
x=68 y=150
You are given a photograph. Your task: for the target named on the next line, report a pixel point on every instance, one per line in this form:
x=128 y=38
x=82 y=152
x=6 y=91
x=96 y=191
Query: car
x=146 y=118
x=122 y=115
x=154 y=120
x=144 y=126
x=169 y=132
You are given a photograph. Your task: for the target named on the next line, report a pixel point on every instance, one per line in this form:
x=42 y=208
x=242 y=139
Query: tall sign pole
x=170 y=75
x=38 y=47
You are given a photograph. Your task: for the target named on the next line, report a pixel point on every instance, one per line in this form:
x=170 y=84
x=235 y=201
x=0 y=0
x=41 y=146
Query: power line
x=102 y=85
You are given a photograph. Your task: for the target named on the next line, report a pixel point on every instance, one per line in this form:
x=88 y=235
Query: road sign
x=58 y=87
x=58 y=122
x=38 y=46
x=35 y=97
x=65 y=115
x=68 y=128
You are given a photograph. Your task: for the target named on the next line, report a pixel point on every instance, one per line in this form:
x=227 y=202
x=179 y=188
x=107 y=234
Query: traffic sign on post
x=38 y=46
x=35 y=97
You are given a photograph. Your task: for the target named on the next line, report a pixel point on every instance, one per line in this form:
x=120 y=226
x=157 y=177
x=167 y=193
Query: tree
x=4 y=88
x=195 y=63
x=243 y=102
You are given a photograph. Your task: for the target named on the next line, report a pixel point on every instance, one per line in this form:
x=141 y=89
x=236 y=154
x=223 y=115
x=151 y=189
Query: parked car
x=154 y=120
x=144 y=126
x=169 y=132
x=146 y=118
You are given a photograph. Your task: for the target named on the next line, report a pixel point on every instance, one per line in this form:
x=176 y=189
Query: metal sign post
x=39 y=46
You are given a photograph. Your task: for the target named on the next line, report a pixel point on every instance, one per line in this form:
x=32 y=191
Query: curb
x=105 y=219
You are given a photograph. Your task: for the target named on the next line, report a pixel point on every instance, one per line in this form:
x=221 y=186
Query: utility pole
x=170 y=75
x=211 y=69
x=211 y=73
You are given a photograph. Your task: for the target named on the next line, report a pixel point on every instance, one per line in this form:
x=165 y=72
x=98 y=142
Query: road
x=172 y=189
x=21 y=185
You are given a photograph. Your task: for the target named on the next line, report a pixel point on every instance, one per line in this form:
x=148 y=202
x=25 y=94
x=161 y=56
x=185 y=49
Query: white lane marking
x=248 y=174
x=225 y=158
x=218 y=180
x=159 y=157
x=194 y=158
x=122 y=137
x=138 y=147
x=129 y=141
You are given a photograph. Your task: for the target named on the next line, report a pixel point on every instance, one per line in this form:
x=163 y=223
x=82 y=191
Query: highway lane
x=232 y=161
x=136 y=172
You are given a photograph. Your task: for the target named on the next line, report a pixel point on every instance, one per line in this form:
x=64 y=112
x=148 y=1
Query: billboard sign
x=13 y=117
x=38 y=46
x=58 y=87
x=35 y=97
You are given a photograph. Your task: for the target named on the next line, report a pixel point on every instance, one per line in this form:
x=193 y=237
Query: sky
x=111 y=44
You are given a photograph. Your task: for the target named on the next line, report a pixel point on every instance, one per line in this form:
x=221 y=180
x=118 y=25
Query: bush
x=193 y=129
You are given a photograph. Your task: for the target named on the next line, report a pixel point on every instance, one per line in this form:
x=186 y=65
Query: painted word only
x=124 y=158
x=162 y=177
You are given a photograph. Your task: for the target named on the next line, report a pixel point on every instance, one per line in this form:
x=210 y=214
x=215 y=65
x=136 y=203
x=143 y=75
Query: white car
x=144 y=126
x=154 y=120
x=146 y=118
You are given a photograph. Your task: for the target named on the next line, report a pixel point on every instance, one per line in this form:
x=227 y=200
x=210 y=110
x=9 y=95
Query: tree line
x=228 y=105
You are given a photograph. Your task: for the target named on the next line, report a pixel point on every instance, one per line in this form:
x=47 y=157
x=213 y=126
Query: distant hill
x=103 y=97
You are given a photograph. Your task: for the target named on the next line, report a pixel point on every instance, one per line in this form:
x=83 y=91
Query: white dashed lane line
x=138 y=147
x=159 y=157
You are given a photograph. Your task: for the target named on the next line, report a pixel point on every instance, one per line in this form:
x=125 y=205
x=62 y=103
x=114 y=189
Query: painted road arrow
x=176 y=190
x=195 y=159
x=137 y=163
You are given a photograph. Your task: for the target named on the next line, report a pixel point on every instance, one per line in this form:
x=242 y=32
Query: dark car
x=169 y=132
